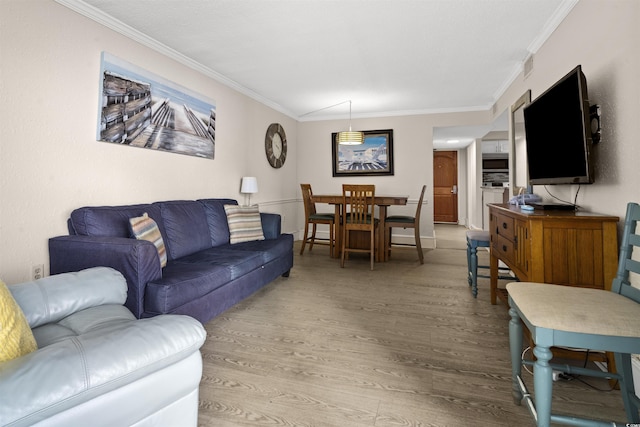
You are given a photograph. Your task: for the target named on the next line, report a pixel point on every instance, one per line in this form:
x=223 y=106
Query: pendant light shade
x=350 y=138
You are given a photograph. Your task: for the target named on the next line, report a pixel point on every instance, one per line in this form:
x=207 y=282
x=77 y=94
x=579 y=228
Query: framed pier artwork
x=373 y=158
x=141 y=109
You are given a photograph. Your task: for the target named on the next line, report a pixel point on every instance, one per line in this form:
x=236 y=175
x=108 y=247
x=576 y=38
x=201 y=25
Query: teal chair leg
x=469 y=277
x=543 y=383
x=474 y=270
x=627 y=388
x=515 y=345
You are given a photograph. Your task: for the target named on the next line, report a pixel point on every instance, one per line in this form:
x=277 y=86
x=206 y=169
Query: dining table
x=382 y=201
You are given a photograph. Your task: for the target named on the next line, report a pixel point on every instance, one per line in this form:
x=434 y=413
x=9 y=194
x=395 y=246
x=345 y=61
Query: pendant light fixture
x=349 y=137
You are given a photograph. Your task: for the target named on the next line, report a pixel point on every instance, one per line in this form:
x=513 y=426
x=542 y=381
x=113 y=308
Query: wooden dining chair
x=585 y=318
x=313 y=218
x=358 y=203
x=392 y=221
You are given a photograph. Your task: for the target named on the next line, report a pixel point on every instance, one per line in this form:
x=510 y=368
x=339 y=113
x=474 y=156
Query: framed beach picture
x=374 y=157
x=141 y=109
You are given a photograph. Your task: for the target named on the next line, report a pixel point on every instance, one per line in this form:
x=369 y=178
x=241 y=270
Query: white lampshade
x=249 y=185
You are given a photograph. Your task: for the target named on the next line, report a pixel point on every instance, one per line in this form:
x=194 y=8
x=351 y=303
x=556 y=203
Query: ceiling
x=389 y=57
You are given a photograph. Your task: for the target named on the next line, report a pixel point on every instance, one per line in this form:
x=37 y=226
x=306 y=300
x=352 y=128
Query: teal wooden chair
x=476 y=239
x=565 y=316
x=480 y=239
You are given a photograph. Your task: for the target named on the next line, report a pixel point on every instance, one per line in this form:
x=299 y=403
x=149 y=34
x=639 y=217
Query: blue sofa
x=205 y=274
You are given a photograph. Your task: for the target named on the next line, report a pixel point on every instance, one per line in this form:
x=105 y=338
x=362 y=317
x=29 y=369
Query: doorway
x=445 y=186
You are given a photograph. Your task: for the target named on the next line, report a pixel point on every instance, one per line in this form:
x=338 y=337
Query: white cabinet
x=495 y=146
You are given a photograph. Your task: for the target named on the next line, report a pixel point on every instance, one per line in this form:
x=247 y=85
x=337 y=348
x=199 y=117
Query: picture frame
x=141 y=109
x=373 y=158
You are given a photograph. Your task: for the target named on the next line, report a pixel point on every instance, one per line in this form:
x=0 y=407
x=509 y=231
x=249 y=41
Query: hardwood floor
x=403 y=345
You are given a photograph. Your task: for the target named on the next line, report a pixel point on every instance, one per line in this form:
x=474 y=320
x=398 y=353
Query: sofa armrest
x=271 y=225
x=68 y=373
x=53 y=298
x=137 y=260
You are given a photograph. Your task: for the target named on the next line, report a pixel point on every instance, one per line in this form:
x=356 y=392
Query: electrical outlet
x=37 y=271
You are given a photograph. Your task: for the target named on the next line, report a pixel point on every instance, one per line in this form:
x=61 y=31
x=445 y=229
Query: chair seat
x=553 y=307
x=478 y=235
x=322 y=216
x=400 y=218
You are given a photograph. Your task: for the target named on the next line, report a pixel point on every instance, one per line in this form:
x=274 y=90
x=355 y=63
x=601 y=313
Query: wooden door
x=445 y=186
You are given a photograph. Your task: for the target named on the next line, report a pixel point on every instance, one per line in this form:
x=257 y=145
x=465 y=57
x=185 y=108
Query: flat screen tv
x=558 y=133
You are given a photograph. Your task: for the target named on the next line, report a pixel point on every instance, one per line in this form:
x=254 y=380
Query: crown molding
x=120 y=27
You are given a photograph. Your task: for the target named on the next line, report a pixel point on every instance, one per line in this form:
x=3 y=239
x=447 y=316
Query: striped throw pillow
x=244 y=223
x=145 y=228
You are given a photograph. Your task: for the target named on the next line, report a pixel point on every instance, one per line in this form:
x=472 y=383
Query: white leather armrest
x=53 y=298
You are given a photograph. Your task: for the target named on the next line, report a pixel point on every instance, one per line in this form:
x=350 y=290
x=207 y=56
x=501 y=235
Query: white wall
x=51 y=163
x=603 y=37
x=474 y=180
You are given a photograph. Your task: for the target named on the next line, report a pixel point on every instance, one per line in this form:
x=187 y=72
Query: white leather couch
x=96 y=364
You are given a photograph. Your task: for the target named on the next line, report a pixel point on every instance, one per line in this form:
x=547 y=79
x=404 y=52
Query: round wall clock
x=275 y=145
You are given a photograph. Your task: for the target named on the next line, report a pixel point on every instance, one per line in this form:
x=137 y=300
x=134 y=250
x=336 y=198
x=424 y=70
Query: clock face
x=275 y=145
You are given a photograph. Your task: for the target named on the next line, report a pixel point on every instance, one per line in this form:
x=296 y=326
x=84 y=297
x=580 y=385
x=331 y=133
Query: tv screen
x=558 y=133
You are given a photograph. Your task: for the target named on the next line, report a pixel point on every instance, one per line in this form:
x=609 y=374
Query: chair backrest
x=627 y=280
x=307 y=197
x=358 y=201
x=419 y=208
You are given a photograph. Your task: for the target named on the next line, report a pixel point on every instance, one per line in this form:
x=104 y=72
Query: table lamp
x=249 y=186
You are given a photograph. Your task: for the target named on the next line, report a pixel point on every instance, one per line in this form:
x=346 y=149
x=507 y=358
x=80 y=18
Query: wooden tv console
x=553 y=246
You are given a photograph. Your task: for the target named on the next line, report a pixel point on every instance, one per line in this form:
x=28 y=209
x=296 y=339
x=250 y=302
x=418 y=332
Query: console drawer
x=504 y=226
x=505 y=248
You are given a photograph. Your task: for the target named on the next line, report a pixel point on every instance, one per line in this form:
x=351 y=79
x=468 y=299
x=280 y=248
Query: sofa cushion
x=186 y=228
x=110 y=221
x=16 y=338
x=182 y=283
x=144 y=228
x=191 y=277
x=102 y=317
x=217 y=219
x=244 y=222
x=268 y=250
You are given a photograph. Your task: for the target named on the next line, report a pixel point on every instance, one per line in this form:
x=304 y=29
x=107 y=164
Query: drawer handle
x=504 y=248
x=504 y=225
